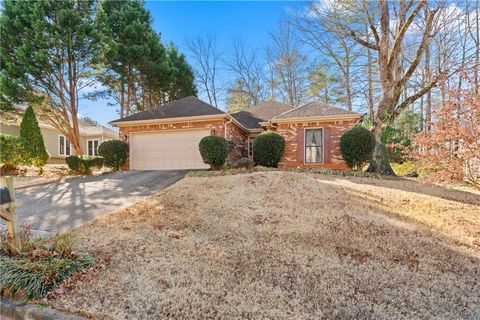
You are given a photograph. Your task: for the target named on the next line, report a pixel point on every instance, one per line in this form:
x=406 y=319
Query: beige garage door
x=167 y=150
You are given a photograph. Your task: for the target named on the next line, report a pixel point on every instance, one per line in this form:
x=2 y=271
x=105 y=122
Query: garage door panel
x=167 y=150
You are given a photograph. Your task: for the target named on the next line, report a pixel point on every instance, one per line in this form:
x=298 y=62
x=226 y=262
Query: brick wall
x=294 y=157
x=216 y=125
x=239 y=138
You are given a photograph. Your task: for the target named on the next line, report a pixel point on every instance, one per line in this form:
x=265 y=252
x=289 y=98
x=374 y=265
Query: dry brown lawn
x=283 y=245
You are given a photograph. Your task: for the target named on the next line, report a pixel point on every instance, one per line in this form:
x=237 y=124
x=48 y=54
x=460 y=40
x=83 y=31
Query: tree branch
x=411 y=99
x=363 y=42
x=370 y=23
x=401 y=34
x=421 y=49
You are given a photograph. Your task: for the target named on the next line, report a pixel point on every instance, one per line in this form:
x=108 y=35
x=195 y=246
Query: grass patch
x=409 y=169
x=283 y=245
x=333 y=172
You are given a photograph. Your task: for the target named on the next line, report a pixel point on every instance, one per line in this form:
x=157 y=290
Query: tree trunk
x=370 y=84
x=75 y=132
x=122 y=97
x=380 y=162
x=477 y=46
x=428 y=109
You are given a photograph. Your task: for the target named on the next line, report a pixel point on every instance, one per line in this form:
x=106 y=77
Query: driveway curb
x=37 y=184
x=17 y=311
x=62 y=179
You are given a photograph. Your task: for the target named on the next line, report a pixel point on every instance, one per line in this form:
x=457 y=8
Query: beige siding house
x=57 y=145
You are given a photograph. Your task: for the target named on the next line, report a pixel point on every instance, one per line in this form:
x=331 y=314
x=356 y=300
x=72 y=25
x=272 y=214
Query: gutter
x=167 y=120
x=181 y=119
x=324 y=118
x=238 y=123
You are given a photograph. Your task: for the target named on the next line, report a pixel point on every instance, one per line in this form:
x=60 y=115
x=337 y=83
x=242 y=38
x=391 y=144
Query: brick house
x=167 y=137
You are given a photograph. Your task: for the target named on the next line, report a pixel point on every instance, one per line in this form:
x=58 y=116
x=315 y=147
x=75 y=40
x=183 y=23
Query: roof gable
x=186 y=107
x=251 y=117
x=314 y=109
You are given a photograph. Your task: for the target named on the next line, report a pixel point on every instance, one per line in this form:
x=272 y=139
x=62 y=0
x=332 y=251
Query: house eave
x=238 y=123
x=316 y=119
x=167 y=120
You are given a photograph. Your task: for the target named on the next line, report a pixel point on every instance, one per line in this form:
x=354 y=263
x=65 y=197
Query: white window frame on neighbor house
x=305 y=145
x=65 y=140
x=95 y=150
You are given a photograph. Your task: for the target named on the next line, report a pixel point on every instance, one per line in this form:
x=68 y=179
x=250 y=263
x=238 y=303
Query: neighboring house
x=57 y=145
x=167 y=137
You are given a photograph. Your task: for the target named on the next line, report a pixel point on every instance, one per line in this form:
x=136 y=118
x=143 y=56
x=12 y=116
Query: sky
x=176 y=20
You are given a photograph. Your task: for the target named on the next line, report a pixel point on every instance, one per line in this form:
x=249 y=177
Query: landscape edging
x=16 y=311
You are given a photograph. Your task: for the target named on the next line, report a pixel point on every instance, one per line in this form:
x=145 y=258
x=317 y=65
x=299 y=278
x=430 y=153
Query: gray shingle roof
x=314 y=109
x=264 y=111
x=186 y=107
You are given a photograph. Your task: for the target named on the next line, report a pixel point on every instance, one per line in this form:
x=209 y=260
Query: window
x=63 y=146
x=313 y=145
x=92 y=147
x=250 y=148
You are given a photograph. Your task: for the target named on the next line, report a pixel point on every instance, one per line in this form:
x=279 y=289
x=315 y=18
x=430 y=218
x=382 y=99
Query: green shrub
x=40 y=266
x=268 y=149
x=33 y=279
x=14 y=150
x=357 y=146
x=114 y=153
x=30 y=130
x=83 y=164
x=96 y=162
x=214 y=151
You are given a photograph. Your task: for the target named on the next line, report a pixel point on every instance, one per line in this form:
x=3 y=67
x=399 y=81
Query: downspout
x=225 y=131
x=225 y=136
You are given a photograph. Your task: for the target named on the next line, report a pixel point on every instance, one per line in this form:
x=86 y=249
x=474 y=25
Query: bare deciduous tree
x=319 y=32
x=289 y=65
x=206 y=57
x=247 y=68
x=389 y=23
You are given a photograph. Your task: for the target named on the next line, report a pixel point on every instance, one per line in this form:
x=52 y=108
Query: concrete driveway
x=64 y=205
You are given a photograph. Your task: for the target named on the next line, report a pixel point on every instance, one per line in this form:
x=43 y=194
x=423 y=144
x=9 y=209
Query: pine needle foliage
x=30 y=131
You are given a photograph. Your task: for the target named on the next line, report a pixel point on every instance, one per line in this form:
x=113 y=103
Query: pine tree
x=30 y=130
x=138 y=70
x=238 y=98
x=182 y=82
x=47 y=52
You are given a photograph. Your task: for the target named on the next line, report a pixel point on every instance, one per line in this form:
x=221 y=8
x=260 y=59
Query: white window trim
x=248 y=148
x=305 y=149
x=93 y=146
x=64 y=146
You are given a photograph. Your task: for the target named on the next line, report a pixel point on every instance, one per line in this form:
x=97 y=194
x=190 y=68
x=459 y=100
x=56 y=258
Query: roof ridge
x=168 y=103
x=315 y=103
x=291 y=110
x=261 y=104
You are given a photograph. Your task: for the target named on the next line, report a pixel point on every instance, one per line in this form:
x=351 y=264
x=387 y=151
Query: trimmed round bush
x=14 y=150
x=114 y=153
x=214 y=151
x=268 y=149
x=83 y=164
x=357 y=146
